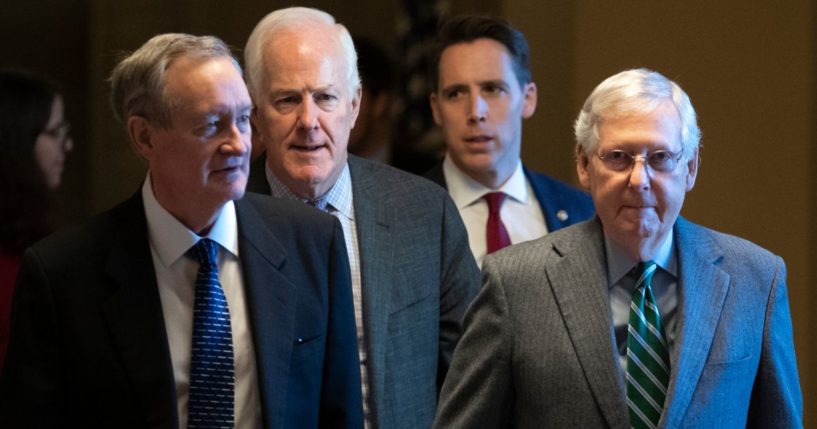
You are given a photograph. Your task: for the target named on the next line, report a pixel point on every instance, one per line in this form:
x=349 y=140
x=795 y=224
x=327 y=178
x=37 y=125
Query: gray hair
x=636 y=91
x=138 y=81
x=290 y=18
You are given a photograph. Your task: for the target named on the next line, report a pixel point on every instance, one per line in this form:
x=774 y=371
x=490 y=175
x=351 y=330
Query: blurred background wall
x=748 y=67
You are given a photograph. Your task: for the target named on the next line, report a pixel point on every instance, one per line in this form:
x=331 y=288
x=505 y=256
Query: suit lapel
x=134 y=315
x=579 y=283
x=271 y=307
x=702 y=293
x=373 y=220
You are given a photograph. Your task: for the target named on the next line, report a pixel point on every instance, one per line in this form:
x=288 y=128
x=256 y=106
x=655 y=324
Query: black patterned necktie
x=648 y=366
x=212 y=373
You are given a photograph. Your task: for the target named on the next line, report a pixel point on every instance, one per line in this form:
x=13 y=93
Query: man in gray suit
x=413 y=274
x=567 y=333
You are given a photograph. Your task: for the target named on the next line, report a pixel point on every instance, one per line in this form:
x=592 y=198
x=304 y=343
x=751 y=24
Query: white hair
x=636 y=91
x=294 y=17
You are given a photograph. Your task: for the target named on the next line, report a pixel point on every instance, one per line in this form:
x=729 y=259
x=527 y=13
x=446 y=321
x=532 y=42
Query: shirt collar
x=339 y=196
x=170 y=239
x=466 y=191
x=619 y=262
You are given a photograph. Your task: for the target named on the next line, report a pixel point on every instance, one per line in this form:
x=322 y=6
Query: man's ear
x=692 y=166
x=581 y=167
x=356 y=98
x=435 y=108
x=528 y=100
x=140 y=132
x=257 y=138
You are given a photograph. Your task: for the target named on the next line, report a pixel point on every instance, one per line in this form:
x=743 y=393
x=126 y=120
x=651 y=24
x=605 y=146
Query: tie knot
x=494 y=200
x=319 y=203
x=206 y=252
x=643 y=274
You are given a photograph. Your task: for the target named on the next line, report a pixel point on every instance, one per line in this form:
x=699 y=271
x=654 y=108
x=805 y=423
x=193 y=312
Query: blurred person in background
x=35 y=138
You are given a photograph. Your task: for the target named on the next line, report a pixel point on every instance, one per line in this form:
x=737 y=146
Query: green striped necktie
x=648 y=366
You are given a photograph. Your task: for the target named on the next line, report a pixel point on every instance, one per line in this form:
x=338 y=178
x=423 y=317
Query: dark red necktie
x=495 y=231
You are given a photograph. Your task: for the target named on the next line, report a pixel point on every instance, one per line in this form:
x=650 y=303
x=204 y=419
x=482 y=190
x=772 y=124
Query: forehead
x=302 y=55
x=201 y=84
x=481 y=59
x=656 y=129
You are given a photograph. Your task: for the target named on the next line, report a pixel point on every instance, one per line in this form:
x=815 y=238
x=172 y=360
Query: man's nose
x=234 y=143
x=477 y=110
x=308 y=115
x=640 y=175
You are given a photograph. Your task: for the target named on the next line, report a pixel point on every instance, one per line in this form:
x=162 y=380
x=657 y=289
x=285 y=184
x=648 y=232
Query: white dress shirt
x=176 y=273
x=621 y=286
x=520 y=212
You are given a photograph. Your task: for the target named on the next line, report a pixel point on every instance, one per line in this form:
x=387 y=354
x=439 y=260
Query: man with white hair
x=413 y=274
x=638 y=317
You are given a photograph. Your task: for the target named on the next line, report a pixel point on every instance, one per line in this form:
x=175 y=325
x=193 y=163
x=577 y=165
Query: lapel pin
x=561 y=215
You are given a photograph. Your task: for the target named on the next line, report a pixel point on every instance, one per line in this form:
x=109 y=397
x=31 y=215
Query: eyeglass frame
x=60 y=132
x=674 y=156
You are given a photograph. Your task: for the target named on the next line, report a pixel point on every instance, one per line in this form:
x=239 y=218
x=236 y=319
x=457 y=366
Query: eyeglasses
x=60 y=132
x=661 y=160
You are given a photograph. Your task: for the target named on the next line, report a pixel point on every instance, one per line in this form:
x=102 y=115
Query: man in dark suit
x=482 y=90
x=184 y=306
x=638 y=317
x=412 y=273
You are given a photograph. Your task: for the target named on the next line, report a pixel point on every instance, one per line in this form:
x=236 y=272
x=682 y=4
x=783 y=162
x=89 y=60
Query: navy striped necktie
x=212 y=373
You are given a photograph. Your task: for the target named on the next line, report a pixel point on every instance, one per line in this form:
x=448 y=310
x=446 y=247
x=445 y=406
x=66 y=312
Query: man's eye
x=661 y=156
x=494 y=90
x=617 y=155
x=453 y=94
x=285 y=102
x=243 y=123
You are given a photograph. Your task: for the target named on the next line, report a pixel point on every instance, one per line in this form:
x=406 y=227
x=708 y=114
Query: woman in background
x=34 y=140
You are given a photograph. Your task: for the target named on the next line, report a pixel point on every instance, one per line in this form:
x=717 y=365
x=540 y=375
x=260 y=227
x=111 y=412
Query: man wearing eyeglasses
x=638 y=317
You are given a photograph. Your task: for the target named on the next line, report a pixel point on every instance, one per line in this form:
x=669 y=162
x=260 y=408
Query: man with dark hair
x=482 y=89
x=183 y=306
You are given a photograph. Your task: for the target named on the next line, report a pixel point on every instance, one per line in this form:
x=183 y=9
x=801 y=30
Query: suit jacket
x=553 y=196
x=418 y=277
x=539 y=348
x=89 y=346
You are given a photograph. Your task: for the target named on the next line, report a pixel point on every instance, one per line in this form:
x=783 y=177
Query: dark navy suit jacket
x=89 y=347
x=562 y=204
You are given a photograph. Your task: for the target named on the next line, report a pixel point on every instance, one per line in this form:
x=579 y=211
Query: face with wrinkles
x=201 y=160
x=306 y=108
x=638 y=206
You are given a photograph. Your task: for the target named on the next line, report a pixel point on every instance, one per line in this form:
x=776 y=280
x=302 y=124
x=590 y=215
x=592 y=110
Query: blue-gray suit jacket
x=562 y=205
x=538 y=348
x=418 y=277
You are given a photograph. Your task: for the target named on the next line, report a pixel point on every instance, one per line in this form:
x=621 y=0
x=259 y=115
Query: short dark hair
x=468 y=28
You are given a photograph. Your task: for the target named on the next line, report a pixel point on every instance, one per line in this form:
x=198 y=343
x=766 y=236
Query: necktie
x=495 y=232
x=320 y=204
x=212 y=375
x=648 y=367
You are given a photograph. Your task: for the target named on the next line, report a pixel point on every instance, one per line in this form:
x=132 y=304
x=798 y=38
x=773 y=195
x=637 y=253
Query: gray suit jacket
x=538 y=348
x=418 y=277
